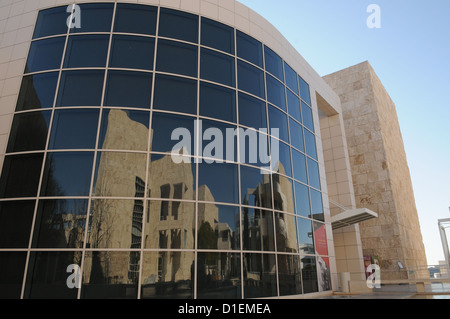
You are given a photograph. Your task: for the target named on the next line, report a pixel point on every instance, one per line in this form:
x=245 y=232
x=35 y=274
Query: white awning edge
x=351 y=217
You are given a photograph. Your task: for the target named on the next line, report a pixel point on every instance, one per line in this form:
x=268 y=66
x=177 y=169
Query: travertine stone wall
x=381 y=176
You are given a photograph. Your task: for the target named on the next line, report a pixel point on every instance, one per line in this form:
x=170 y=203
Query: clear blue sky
x=411 y=55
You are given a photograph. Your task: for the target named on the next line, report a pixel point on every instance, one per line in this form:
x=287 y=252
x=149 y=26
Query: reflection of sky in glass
x=229 y=215
x=163 y=125
x=43 y=85
x=68 y=174
x=222 y=181
x=66 y=132
x=305 y=235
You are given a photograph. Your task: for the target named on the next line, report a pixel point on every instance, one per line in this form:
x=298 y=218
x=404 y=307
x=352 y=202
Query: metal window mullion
x=293 y=177
x=94 y=164
x=197 y=156
x=272 y=165
x=239 y=162
x=43 y=161
x=149 y=145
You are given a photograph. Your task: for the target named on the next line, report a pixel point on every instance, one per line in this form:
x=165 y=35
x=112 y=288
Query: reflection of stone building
x=258 y=227
x=263 y=222
x=118 y=223
x=169 y=223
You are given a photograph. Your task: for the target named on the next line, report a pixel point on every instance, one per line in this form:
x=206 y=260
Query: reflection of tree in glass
x=100 y=268
x=207 y=237
x=51 y=185
x=101 y=224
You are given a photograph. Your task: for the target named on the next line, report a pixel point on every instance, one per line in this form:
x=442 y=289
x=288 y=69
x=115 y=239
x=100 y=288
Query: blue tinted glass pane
x=120 y=174
x=132 y=52
x=29 y=132
x=127 y=263
x=249 y=49
x=307 y=114
x=163 y=125
x=217 y=67
x=251 y=79
x=217 y=35
x=178 y=58
x=283 y=194
x=274 y=64
x=37 y=91
x=299 y=164
x=175 y=94
x=255 y=188
x=252 y=112
x=42 y=285
x=291 y=78
x=20 y=176
x=15 y=225
x=278 y=120
x=116 y=122
x=11 y=272
x=45 y=54
x=317 y=205
x=294 y=106
x=222 y=181
x=74 y=129
x=313 y=173
x=276 y=92
x=296 y=135
x=162 y=169
x=217 y=102
x=51 y=22
x=261 y=286
x=305 y=239
x=178 y=25
x=229 y=282
x=303 y=207
x=67 y=174
x=134 y=18
x=95 y=17
x=53 y=212
x=81 y=88
x=310 y=144
x=79 y=52
x=304 y=90
x=129 y=89
x=283 y=164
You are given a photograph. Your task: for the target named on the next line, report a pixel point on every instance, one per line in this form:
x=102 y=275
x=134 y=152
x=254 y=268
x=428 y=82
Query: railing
x=432 y=272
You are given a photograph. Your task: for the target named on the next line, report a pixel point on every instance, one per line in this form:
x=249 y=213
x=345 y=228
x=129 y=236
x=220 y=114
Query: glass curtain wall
x=91 y=189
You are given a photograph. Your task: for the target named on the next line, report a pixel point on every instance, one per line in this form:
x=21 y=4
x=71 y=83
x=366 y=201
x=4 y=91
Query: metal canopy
x=351 y=217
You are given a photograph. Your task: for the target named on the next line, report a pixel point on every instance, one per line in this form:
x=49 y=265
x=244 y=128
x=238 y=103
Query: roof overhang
x=351 y=217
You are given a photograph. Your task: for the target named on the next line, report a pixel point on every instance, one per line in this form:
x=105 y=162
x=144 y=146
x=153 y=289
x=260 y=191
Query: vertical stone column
x=379 y=168
x=347 y=242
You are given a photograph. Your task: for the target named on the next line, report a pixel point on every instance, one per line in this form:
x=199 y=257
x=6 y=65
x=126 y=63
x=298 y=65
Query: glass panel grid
x=179 y=201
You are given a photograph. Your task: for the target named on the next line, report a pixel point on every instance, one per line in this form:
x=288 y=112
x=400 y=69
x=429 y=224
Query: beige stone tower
x=380 y=172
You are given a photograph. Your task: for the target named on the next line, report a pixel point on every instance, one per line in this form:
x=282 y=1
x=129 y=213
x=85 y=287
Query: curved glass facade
x=90 y=177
